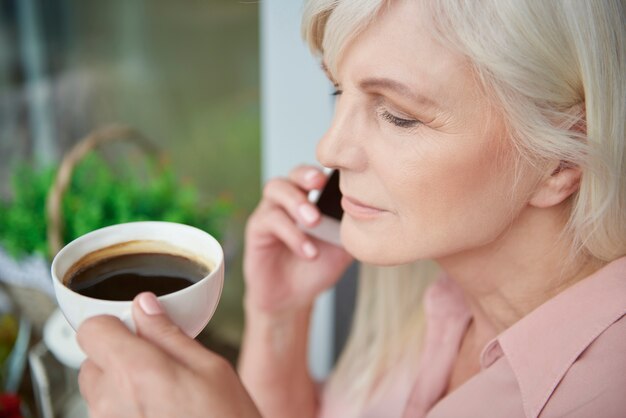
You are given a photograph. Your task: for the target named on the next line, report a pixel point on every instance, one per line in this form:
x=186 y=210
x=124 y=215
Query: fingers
x=307 y=177
x=88 y=378
x=154 y=325
x=285 y=205
x=109 y=343
x=293 y=200
x=280 y=225
x=109 y=393
x=93 y=330
x=291 y=193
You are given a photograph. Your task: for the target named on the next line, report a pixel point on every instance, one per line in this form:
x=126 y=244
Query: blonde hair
x=557 y=70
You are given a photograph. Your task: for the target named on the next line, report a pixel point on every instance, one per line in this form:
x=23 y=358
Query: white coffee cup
x=190 y=308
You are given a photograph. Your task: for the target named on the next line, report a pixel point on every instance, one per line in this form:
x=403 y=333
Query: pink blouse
x=567 y=358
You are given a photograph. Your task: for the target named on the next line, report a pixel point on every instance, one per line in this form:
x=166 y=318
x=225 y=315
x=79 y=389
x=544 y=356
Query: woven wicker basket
x=99 y=137
x=35 y=304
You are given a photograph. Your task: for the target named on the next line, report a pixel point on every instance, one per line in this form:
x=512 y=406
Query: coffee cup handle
x=127 y=319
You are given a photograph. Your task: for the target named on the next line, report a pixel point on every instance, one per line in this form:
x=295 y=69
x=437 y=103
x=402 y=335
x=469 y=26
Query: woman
x=487 y=136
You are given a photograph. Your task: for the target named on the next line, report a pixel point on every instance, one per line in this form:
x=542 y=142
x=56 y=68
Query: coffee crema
x=123 y=271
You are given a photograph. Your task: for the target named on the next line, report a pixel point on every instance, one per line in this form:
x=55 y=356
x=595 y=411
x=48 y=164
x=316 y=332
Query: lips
x=357 y=209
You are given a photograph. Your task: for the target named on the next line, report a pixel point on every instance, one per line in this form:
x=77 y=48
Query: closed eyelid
x=398 y=111
x=394 y=110
x=400 y=121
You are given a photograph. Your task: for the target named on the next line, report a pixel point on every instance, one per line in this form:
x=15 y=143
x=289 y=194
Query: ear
x=556 y=188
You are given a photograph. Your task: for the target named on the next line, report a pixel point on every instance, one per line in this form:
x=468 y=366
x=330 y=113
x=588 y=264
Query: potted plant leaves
x=50 y=206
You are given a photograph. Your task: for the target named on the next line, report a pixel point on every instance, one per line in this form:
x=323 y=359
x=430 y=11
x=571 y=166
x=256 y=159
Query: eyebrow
x=386 y=84
x=396 y=87
x=327 y=72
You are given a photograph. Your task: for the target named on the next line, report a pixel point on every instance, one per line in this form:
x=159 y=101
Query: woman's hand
x=285 y=269
x=160 y=372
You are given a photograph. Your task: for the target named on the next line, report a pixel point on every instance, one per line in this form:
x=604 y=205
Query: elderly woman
x=487 y=136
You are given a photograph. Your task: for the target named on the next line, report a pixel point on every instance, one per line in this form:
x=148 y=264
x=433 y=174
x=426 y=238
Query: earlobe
x=564 y=179
x=561 y=184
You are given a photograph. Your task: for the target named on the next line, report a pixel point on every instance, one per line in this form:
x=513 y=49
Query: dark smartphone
x=328 y=201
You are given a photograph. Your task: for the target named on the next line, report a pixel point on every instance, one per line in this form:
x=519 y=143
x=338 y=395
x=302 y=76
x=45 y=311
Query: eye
x=399 y=122
x=336 y=92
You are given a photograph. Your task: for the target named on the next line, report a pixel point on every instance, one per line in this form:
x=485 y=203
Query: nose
x=341 y=147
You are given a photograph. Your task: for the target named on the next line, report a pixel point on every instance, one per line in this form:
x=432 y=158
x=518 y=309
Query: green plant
x=102 y=194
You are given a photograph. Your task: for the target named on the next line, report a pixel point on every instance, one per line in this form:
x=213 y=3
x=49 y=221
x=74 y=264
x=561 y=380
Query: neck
x=527 y=265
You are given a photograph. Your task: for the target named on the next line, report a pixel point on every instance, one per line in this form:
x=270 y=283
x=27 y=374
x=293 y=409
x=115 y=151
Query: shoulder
x=595 y=383
x=568 y=354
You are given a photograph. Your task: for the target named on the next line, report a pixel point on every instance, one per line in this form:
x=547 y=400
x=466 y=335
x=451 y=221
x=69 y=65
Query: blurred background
x=227 y=96
x=183 y=74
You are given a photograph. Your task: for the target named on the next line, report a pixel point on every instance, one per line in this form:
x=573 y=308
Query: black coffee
x=122 y=277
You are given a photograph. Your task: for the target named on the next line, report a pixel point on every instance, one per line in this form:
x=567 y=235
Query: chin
x=373 y=248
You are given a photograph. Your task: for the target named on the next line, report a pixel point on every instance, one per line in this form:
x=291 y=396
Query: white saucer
x=60 y=338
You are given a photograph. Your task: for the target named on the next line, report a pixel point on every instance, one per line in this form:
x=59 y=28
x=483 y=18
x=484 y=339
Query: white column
x=38 y=92
x=296 y=108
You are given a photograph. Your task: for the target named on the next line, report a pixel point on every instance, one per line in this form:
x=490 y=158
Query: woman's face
x=426 y=166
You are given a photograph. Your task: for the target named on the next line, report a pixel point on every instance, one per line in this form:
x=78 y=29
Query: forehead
x=401 y=43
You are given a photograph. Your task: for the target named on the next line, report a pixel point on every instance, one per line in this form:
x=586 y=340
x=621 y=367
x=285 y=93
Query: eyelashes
x=399 y=122
x=387 y=116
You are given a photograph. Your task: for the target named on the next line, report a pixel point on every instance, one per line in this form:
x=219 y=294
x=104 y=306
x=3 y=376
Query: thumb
x=154 y=325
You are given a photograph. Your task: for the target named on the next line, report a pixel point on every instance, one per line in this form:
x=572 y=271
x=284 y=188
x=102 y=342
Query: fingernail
x=309 y=249
x=149 y=304
x=308 y=213
x=310 y=175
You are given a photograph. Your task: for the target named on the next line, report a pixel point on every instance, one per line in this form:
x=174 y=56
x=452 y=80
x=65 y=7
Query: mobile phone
x=328 y=201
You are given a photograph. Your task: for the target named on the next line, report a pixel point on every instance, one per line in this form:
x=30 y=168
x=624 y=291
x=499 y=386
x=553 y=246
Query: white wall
x=296 y=108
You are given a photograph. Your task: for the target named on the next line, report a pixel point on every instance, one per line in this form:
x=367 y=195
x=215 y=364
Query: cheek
x=458 y=200
x=447 y=199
